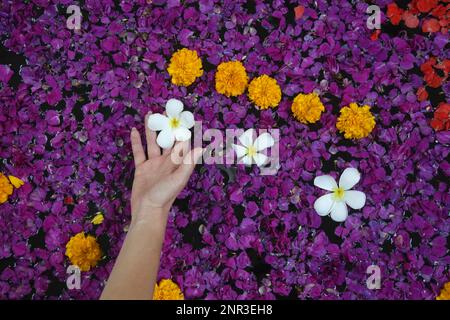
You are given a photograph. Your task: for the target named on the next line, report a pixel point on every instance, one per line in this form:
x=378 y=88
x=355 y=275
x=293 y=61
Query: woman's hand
x=159 y=177
x=157 y=181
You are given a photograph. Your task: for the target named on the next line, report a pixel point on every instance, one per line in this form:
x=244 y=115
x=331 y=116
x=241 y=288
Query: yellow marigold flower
x=98 y=219
x=355 y=122
x=265 y=92
x=167 y=290
x=445 y=292
x=231 y=78
x=184 y=67
x=16 y=182
x=307 y=108
x=6 y=189
x=83 y=251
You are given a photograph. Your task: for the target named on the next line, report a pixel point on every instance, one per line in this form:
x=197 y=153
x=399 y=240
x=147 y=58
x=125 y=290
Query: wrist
x=149 y=217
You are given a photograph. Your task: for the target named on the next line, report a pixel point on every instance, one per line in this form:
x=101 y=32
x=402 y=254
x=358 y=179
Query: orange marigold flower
x=167 y=290
x=231 y=78
x=83 y=251
x=307 y=108
x=185 y=66
x=6 y=188
x=355 y=122
x=265 y=92
x=445 y=292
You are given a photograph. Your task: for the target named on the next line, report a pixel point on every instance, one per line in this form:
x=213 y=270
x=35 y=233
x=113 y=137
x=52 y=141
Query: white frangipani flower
x=174 y=127
x=341 y=196
x=249 y=151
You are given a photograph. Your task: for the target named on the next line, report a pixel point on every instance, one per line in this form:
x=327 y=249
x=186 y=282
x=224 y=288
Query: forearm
x=135 y=271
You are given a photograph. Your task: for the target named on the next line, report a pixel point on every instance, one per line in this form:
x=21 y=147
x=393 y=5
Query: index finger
x=153 y=149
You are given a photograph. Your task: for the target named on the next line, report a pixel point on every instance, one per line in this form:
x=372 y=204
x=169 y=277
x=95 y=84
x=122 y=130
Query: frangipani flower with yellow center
x=341 y=196
x=249 y=151
x=167 y=290
x=174 y=127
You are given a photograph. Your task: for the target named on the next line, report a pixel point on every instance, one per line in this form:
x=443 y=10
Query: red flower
x=441 y=120
x=426 y=5
x=394 y=13
x=299 y=11
x=422 y=94
x=439 y=11
x=68 y=200
x=411 y=20
x=444 y=66
x=433 y=80
x=427 y=66
x=374 y=36
x=431 y=25
x=431 y=75
x=428 y=9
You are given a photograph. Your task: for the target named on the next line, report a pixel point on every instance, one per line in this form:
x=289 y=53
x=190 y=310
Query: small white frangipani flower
x=341 y=196
x=249 y=151
x=174 y=126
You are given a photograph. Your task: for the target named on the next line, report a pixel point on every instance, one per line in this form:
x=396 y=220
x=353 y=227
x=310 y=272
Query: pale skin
x=157 y=182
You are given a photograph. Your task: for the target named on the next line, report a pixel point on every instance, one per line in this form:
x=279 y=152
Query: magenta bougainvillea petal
x=68 y=99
